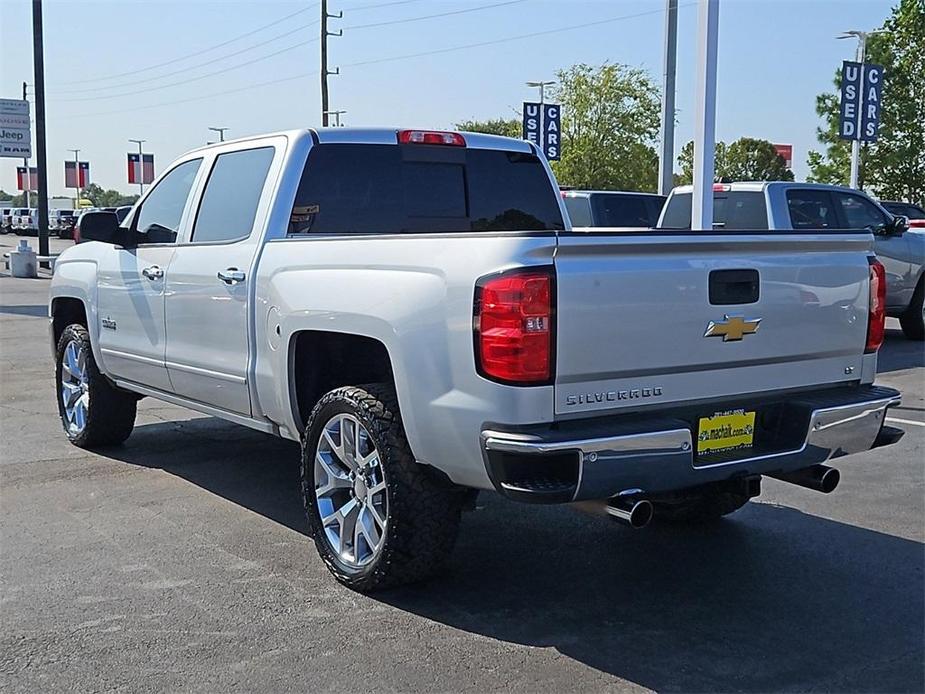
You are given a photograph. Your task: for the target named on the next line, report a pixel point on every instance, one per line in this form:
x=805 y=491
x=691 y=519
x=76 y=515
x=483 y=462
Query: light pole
x=221 y=133
x=76 y=174
x=859 y=56
x=705 y=115
x=25 y=161
x=542 y=87
x=670 y=62
x=141 y=168
x=337 y=115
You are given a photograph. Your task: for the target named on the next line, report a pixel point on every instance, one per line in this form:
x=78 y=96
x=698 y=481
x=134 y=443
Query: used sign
x=861 y=90
x=542 y=125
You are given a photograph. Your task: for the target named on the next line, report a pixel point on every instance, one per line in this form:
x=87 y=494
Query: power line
x=380 y=5
x=195 y=53
x=506 y=39
x=133 y=83
x=192 y=79
x=383 y=60
x=433 y=16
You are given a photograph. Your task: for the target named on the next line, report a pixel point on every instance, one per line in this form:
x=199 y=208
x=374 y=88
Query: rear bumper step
x=599 y=458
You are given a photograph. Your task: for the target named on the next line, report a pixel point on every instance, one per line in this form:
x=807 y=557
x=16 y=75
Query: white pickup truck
x=414 y=307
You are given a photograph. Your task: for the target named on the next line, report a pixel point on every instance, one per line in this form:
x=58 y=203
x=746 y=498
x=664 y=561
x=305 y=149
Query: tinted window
x=736 y=210
x=160 y=214
x=387 y=189
x=579 y=211
x=811 y=209
x=860 y=213
x=905 y=209
x=620 y=210
x=229 y=204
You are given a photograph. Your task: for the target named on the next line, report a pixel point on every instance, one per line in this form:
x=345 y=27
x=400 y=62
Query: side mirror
x=155 y=233
x=897 y=226
x=100 y=226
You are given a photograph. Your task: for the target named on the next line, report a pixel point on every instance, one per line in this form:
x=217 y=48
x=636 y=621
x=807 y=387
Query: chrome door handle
x=231 y=276
x=153 y=272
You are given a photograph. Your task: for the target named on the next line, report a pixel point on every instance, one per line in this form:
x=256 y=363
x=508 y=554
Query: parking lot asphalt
x=179 y=561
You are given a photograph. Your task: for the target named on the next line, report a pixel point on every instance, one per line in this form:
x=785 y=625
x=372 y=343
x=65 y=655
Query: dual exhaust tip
x=637 y=513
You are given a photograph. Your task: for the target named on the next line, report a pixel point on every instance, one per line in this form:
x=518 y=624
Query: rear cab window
x=734 y=210
x=811 y=209
x=414 y=188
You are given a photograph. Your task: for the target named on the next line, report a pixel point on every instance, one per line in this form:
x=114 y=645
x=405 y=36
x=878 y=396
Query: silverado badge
x=732 y=327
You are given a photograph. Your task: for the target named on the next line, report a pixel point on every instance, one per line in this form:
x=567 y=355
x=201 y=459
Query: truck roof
x=575 y=193
x=761 y=186
x=379 y=136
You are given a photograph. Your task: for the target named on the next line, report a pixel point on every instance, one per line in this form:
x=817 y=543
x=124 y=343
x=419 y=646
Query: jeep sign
x=15 y=129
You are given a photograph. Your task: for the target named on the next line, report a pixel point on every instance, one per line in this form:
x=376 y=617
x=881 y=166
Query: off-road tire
x=110 y=412
x=423 y=507
x=912 y=321
x=706 y=507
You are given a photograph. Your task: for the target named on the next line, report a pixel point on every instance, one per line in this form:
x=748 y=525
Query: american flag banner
x=70 y=174
x=27 y=179
x=143 y=173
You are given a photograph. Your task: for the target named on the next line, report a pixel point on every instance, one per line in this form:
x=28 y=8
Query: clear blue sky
x=774 y=57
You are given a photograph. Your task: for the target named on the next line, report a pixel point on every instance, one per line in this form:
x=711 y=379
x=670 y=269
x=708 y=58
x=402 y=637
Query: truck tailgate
x=634 y=315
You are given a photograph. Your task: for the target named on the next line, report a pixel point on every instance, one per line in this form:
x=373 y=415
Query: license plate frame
x=726 y=431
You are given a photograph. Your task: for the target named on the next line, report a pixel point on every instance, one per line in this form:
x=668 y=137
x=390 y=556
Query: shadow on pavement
x=898 y=353
x=34 y=310
x=770 y=599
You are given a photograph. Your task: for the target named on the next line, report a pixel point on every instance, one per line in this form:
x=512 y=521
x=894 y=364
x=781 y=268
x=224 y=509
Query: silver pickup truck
x=413 y=307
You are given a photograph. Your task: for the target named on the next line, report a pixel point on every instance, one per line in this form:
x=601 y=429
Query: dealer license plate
x=725 y=431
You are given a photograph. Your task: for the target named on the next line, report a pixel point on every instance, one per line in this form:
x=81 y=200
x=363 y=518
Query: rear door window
x=735 y=211
x=620 y=210
x=394 y=189
x=229 y=203
x=811 y=209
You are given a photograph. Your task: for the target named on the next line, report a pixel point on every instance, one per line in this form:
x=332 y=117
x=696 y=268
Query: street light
x=221 y=133
x=542 y=87
x=859 y=56
x=337 y=115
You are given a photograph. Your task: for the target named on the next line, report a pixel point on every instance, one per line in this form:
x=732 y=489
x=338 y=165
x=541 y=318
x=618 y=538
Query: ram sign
x=15 y=129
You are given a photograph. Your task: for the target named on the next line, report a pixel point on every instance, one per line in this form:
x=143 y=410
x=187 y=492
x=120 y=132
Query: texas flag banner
x=70 y=174
x=27 y=179
x=143 y=173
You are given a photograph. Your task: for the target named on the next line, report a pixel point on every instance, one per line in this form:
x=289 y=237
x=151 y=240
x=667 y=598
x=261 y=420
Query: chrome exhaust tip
x=635 y=513
x=820 y=478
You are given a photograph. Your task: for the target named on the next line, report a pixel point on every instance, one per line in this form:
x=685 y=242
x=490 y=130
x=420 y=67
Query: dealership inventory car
x=786 y=206
x=6 y=220
x=416 y=309
x=914 y=213
x=603 y=208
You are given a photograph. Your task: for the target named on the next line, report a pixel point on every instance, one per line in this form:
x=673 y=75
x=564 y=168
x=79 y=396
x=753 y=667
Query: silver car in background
x=783 y=205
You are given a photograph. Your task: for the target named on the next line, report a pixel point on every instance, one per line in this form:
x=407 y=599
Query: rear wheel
x=378 y=518
x=913 y=320
x=93 y=411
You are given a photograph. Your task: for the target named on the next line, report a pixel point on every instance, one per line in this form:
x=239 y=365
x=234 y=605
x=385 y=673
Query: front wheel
x=378 y=518
x=913 y=320
x=93 y=411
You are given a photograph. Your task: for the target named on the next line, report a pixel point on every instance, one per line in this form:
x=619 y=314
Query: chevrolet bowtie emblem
x=732 y=328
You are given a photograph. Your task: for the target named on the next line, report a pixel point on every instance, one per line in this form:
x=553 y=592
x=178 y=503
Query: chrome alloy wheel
x=75 y=387
x=351 y=491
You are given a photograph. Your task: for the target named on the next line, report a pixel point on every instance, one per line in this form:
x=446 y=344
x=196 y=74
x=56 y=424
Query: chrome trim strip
x=669 y=441
x=199 y=371
x=131 y=357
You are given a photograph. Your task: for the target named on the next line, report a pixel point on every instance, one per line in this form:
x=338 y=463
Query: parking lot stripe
x=905 y=421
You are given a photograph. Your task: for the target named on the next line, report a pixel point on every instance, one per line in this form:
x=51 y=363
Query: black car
x=914 y=213
x=602 y=208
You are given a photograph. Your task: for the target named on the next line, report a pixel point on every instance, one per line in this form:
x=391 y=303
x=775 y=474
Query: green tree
x=509 y=127
x=746 y=159
x=17 y=200
x=610 y=123
x=106 y=198
x=894 y=165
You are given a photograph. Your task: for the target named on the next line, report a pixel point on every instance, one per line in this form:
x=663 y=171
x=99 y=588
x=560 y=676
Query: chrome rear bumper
x=659 y=455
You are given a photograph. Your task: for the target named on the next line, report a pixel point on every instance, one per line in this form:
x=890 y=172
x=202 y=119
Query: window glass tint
x=374 y=189
x=811 y=209
x=579 y=211
x=620 y=210
x=229 y=204
x=905 y=209
x=860 y=213
x=740 y=210
x=160 y=214
x=677 y=212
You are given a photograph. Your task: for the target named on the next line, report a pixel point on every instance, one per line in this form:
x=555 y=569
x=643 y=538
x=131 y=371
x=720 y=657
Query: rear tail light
x=876 y=320
x=430 y=137
x=514 y=327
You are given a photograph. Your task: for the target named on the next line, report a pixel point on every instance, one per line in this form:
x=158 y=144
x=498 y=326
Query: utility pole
x=76 y=173
x=141 y=168
x=542 y=87
x=337 y=115
x=859 y=56
x=38 y=68
x=221 y=133
x=666 y=157
x=25 y=161
x=324 y=58
x=705 y=115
